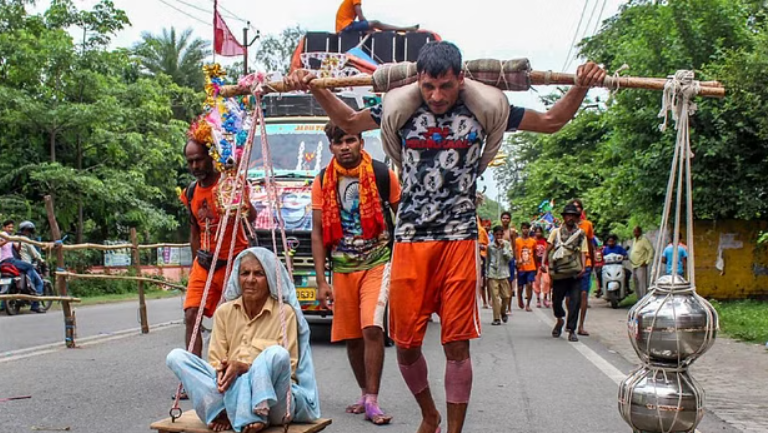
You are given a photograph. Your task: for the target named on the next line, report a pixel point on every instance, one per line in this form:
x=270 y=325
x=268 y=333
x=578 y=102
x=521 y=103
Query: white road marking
x=81 y=342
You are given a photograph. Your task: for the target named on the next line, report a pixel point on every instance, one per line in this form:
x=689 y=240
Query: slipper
x=572 y=337
x=584 y=333
x=375 y=415
x=558 y=331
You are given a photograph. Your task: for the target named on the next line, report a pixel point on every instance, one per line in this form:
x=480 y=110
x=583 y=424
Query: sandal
x=558 y=330
x=584 y=333
x=572 y=337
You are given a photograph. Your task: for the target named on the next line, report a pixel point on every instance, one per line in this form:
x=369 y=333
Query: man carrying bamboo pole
x=205 y=216
x=444 y=146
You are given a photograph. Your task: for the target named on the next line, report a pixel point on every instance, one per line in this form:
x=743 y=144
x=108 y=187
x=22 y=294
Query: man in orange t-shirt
x=204 y=223
x=350 y=18
x=525 y=248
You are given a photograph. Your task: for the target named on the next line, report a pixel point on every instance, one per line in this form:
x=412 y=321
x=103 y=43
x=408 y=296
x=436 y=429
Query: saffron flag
x=224 y=42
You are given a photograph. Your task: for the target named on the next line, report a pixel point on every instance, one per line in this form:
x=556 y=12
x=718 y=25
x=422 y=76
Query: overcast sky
x=541 y=30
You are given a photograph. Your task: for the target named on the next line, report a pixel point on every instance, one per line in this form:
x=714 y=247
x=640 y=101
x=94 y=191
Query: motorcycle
x=13 y=282
x=614 y=282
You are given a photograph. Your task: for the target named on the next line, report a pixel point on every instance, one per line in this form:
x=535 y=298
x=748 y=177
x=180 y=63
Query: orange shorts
x=358 y=303
x=434 y=277
x=197 y=279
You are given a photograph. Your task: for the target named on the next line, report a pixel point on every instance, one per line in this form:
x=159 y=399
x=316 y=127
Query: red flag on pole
x=224 y=42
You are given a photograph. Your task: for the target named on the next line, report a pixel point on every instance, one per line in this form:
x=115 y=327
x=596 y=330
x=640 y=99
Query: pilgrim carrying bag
x=565 y=257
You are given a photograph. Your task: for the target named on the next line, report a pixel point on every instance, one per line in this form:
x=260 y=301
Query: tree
x=618 y=161
x=181 y=58
x=81 y=123
x=275 y=51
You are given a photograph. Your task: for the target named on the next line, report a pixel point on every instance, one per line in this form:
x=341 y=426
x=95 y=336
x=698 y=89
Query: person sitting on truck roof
x=350 y=18
x=352 y=203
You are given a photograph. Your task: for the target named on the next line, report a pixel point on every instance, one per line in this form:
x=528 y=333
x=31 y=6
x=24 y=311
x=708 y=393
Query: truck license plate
x=306 y=294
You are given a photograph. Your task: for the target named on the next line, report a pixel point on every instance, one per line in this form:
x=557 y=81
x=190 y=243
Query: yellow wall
x=745 y=272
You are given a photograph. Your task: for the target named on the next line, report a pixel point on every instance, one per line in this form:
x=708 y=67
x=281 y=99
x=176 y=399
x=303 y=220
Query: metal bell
x=672 y=326
x=656 y=400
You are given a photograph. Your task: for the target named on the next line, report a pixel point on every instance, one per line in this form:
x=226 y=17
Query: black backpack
x=381 y=172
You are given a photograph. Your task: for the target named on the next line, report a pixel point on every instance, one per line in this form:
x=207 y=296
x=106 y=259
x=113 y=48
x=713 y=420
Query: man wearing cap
x=565 y=261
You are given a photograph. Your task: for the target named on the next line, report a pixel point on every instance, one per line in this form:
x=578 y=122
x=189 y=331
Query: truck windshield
x=299 y=151
x=303 y=147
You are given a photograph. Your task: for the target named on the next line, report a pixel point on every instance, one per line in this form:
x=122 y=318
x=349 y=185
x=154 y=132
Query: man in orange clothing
x=525 y=248
x=586 y=282
x=482 y=243
x=352 y=204
x=205 y=216
x=350 y=18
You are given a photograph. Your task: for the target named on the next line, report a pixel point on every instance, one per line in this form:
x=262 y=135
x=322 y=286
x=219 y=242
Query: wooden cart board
x=190 y=423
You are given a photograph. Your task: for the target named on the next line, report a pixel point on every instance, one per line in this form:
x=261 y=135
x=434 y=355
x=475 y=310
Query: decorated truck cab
x=295 y=125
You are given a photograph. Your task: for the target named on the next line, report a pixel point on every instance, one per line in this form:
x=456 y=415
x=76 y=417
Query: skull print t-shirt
x=441 y=157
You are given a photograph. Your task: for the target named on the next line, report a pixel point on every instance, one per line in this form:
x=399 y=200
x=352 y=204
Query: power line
x=599 y=17
x=584 y=33
x=186 y=13
x=575 y=35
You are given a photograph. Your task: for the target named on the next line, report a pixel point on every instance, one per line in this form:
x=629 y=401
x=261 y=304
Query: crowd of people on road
x=411 y=242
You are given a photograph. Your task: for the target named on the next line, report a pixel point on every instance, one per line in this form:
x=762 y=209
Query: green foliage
x=275 y=51
x=744 y=320
x=489 y=210
x=89 y=288
x=616 y=159
x=85 y=125
x=178 y=57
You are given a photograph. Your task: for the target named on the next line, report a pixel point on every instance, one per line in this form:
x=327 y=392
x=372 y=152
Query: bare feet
x=528 y=308
x=358 y=407
x=430 y=424
x=375 y=415
x=254 y=428
x=221 y=423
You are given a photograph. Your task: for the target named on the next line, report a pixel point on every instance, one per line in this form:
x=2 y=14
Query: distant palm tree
x=180 y=57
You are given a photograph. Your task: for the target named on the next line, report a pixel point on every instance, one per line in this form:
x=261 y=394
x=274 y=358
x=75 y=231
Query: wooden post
x=70 y=321
x=135 y=258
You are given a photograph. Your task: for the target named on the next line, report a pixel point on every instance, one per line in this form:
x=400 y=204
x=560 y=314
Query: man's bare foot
x=430 y=424
x=358 y=407
x=375 y=415
x=254 y=428
x=221 y=423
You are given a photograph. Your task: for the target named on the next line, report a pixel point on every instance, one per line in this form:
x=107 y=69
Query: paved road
x=31 y=329
x=525 y=381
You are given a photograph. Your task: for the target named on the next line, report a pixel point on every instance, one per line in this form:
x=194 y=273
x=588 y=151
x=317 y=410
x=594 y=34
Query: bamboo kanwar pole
x=121 y=277
x=710 y=89
x=136 y=259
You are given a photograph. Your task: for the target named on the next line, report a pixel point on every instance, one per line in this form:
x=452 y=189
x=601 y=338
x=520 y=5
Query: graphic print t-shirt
x=207 y=216
x=524 y=251
x=441 y=155
x=353 y=253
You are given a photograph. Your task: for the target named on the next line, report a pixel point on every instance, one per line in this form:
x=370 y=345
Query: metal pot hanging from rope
x=661 y=400
x=671 y=326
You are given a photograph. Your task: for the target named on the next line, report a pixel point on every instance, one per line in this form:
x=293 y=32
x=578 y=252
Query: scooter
x=13 y=282
x=614 y=285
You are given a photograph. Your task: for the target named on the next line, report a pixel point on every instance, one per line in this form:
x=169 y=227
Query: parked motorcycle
x=614 y=282
x=13 y=282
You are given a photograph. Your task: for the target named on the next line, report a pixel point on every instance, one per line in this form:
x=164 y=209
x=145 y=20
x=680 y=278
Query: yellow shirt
x=238 y=338
x=346 y=14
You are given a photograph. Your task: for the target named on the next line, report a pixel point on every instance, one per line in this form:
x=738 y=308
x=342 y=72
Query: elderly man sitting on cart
x=255 y=356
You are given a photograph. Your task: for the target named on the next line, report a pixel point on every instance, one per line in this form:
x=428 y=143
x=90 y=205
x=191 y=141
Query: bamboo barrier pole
x=51 y=245
x=710 y=89
x=40 y=298
x=121 y=277
x=136 y=259
x=70 y=319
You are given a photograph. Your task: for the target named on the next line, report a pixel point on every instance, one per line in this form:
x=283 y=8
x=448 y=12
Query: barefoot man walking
x=442 y=147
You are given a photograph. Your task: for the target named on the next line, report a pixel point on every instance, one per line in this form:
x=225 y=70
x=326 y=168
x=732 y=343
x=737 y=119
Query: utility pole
x=247 y=44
